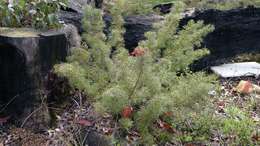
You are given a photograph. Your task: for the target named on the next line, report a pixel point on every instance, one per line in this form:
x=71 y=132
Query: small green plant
x=151 y=80
x=239 y=126
x=197 y=127
x=40 y=14
x=126 y=123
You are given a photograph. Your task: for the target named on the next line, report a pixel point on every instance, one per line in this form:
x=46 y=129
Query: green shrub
x=147 y=80
x=40 y=14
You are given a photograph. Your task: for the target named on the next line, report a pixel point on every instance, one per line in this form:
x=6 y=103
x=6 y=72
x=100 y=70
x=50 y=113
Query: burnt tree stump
x=26 y=56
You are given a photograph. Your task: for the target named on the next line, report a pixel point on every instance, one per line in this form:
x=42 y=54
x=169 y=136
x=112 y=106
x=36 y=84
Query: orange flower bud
x=127 y=112
x=138 y=52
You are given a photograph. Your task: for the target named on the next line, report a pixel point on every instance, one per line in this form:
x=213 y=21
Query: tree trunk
x=26 y=56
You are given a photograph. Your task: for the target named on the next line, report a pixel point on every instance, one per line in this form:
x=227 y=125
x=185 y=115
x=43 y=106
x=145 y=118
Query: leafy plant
x=40 y=14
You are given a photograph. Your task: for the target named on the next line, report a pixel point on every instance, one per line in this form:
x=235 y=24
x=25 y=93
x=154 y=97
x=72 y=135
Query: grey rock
x=78 y=5
x=72 y=35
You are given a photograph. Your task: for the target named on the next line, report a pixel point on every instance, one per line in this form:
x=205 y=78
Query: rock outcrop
x=71 y=17
x=236 y=32
x=135 y=26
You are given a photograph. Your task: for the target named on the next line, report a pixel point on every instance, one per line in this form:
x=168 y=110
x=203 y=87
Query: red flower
x=138 y=52
x=127 y=112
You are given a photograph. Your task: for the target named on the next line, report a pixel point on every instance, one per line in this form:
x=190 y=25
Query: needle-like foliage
x=147 y=79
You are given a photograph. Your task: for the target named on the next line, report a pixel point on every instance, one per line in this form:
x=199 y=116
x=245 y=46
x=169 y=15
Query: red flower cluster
x=138 y=52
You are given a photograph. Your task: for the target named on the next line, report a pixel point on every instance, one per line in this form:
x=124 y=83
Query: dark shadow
x=12 y=80
x=236 y=32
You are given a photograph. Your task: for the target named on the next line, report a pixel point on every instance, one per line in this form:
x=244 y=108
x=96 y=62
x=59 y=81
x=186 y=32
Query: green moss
x=18 y=32
x=247 y=57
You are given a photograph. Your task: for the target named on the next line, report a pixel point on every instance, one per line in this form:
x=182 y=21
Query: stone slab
x=237 y=69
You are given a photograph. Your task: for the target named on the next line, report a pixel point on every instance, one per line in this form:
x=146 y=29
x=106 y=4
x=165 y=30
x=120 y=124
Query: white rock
x=237 y=69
